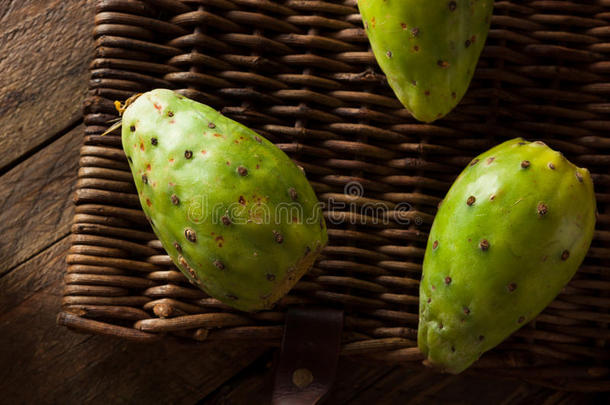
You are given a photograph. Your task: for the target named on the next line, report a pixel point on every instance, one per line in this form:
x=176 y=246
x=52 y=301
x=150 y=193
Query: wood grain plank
x=252 y=385
x=36 y=205
x=407 y=386
x=45 y=49
x=358 y=383
x=43 y=363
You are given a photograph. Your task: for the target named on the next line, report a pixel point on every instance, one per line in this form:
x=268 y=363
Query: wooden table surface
x=45 y=49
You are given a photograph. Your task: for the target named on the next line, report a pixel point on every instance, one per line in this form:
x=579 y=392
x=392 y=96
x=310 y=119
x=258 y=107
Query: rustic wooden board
x=46 y=48
x=36 y=205
x=360 y=384
x=43 y=363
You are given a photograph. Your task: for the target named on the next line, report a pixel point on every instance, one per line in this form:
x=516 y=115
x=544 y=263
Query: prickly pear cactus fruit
x=427 y=49
x=234 y=213
x=510 y=234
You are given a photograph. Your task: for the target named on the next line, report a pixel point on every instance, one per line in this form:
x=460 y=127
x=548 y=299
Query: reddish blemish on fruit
x=257 y=166
x=148 y=202
x=171 y=184
x=373 y=22
x=203 y=152
x=157 y=106
x=148 y=167
x=228 y=163
x=403 y=26
x=171 y=160
x=220 y=240
x=416 y=48
x=172 y=121
x=217 y=135
x=141 y=145
x=427 y=92
x=241 y=200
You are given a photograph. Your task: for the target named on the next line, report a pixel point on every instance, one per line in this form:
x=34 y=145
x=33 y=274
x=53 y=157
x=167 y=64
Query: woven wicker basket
x=301 y=73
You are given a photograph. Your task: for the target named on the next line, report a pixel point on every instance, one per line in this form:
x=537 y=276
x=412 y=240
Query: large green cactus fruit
x=427 y=49
x=234 y=213
x=510 y=234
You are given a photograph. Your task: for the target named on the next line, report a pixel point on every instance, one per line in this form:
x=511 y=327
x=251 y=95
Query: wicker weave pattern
x=301 y=73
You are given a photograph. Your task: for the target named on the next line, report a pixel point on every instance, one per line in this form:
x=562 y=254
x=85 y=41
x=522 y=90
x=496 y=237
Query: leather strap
x=308 y=357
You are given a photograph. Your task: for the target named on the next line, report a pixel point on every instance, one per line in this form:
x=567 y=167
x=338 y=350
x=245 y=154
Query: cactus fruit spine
x=511 y=232
x=234 y=213
x=427 y=49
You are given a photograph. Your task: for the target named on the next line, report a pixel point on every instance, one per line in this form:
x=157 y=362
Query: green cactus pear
x=510 y=234
x=234 y=213
x=427 y=49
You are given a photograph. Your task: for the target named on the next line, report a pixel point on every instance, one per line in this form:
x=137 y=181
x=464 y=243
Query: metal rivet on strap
x=302 y=377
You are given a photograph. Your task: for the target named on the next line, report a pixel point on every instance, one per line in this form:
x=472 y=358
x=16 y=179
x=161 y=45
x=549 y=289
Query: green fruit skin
x=532 y=206
x=188 y=163
x=428 y=50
